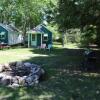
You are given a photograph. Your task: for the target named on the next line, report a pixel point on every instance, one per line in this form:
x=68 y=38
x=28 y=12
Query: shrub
x=89 y=35
x=73 y=35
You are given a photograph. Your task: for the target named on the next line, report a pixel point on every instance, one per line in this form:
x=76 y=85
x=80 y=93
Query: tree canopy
x=23 y=12
x=26 y=14
x=79 y=13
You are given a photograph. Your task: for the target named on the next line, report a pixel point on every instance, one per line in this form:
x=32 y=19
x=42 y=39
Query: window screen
x=45 y=37
x=2 y=35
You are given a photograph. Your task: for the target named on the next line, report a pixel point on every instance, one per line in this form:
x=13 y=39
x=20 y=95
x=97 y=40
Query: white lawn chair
x=43 y=46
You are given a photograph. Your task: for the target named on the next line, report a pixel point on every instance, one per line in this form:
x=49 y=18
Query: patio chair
x=49 y=47
x=43 y=46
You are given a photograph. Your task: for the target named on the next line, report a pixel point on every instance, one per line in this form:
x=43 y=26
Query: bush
x=88 y=35
x=73 y=35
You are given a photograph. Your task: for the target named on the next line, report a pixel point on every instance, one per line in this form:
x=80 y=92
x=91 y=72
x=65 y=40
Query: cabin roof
x=40 y=29
x=9 y=28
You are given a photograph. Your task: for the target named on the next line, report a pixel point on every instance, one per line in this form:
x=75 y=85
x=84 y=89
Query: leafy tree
x=25 y=14
x=67 y=16
x=78 y=14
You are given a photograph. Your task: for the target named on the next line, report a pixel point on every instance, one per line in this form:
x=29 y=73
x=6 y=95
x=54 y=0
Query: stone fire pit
x=20 y=74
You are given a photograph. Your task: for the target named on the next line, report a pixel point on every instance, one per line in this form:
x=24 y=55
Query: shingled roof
x=9 y=28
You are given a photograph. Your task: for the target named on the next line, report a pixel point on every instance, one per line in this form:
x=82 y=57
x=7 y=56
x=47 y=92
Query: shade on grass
x=63 y=81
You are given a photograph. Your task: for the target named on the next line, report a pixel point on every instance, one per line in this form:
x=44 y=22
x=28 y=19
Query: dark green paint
x=38 y=39
x=46 y=31
x=43 y=30
x=5 y=40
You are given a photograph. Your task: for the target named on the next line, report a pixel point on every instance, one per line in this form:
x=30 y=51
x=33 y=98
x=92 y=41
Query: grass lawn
x=64 y=80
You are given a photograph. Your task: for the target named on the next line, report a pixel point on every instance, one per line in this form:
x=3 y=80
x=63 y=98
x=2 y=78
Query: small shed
x=10 y=35
x=38 y=36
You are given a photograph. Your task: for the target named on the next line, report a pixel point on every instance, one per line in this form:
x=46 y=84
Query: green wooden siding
x=5 y=39
x=38 y=39
x=42 y=31
x=46 y=31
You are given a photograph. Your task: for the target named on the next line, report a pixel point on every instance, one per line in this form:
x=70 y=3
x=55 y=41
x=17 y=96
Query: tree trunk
x=24 y=33
x=63 y=39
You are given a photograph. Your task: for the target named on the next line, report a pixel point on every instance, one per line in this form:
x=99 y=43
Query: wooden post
x=41 y=39
x=36 y=40
x=28 y=40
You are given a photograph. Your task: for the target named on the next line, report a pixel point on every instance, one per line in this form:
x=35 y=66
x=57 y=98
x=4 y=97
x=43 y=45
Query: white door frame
x=41 y=39
x=28 y=40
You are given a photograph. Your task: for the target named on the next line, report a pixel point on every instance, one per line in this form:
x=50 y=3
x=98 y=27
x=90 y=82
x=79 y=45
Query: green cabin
x=38 y=36
x=10 y=35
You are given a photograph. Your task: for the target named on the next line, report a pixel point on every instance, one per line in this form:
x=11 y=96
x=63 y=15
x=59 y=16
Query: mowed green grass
x=16 y=54
x=63 y=79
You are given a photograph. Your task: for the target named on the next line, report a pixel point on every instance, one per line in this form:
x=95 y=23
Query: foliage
x=78 y=14
x=54 y=29
x=73 y=35
x=67 y=14
x=25 y=14
x=89 y=35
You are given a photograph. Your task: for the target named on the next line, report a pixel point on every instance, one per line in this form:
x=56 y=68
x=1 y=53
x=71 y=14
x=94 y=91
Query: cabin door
x=38 y=39
x=33 y=40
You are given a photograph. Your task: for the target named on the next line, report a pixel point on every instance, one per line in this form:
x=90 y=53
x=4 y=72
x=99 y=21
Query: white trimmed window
x=2 y=35
x=45 y=37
